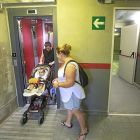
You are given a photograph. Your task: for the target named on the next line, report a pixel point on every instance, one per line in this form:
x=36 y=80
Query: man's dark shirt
x=49 y=56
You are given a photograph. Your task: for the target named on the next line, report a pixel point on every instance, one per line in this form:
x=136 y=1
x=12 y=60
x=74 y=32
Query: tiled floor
x=100 y=127
x=125 y=98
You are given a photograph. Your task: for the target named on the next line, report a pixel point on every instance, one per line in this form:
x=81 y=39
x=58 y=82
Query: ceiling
x=126 y=16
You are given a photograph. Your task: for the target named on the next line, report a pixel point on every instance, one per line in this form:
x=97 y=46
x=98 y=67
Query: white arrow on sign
x=96 y=23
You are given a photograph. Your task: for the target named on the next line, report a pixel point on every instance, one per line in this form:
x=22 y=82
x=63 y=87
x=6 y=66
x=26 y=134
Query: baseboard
x=136 y=85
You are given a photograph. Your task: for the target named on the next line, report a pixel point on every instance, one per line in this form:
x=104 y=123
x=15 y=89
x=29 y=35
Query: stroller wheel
x=41 y=120
x=23 y=120
x=54 y=99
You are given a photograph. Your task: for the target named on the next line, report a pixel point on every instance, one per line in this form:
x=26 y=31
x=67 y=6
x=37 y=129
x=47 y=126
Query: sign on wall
x=98 y=23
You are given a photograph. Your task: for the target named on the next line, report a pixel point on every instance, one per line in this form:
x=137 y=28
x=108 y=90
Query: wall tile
x=13 y=105
x=8 y=97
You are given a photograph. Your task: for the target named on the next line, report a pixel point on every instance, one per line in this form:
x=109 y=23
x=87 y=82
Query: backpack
x=82 y=75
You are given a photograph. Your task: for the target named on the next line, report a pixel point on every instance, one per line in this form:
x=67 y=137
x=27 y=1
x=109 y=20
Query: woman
x=71 y=92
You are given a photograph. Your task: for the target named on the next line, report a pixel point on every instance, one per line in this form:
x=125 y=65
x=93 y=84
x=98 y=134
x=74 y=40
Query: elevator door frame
x=13 y=13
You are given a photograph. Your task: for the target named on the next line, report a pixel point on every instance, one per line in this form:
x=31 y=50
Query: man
x=48 y=54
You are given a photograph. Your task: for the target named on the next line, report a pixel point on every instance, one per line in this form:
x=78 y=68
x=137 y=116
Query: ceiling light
x=136 y=17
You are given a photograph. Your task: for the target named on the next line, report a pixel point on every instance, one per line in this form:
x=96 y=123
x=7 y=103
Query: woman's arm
x=70 y=74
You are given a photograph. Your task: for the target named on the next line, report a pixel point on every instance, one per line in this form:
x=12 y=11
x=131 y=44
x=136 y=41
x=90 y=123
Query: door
x=128 y=51
x=22 y=56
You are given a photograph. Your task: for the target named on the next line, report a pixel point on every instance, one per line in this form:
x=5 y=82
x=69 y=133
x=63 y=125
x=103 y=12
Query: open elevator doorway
x=33 y=32
x=125 y=85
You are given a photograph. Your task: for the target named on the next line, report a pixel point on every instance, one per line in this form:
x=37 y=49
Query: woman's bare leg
x=69 y=118
x=80 y=117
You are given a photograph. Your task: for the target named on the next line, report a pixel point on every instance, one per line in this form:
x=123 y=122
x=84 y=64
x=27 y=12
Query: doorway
x=124 y=89
x=33 y=32
x=17 y=17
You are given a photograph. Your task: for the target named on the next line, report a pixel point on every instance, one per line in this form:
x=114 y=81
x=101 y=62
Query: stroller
x=39 y=100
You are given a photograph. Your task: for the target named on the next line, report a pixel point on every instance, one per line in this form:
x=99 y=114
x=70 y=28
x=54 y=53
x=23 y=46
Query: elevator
x=30 y=28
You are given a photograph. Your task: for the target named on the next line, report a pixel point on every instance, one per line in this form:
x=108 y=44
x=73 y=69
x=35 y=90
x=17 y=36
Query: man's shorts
x=73 y=103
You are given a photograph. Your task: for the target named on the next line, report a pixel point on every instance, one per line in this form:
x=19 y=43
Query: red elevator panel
x=39 y=37
x=28 y=46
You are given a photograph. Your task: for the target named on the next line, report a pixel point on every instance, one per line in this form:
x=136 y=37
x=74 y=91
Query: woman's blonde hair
x=65 y=49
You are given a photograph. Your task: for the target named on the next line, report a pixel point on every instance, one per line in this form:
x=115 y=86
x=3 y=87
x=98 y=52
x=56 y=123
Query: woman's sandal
x=63 y=124
x=85 y=134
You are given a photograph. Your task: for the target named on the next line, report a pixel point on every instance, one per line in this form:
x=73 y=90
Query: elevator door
x=21 y=48
x=128 y=52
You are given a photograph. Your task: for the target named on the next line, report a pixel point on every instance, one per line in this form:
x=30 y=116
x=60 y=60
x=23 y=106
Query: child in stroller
x=37 y=83
x=43 y=75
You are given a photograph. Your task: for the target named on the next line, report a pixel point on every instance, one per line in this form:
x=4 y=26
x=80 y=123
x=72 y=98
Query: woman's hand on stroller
x=56 y=79
x=55 y=84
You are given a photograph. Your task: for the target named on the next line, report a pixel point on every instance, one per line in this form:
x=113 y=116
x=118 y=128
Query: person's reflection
x=48 y=54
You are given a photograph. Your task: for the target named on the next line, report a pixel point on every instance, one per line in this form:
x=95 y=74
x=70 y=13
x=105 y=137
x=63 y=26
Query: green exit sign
x=98 y=23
